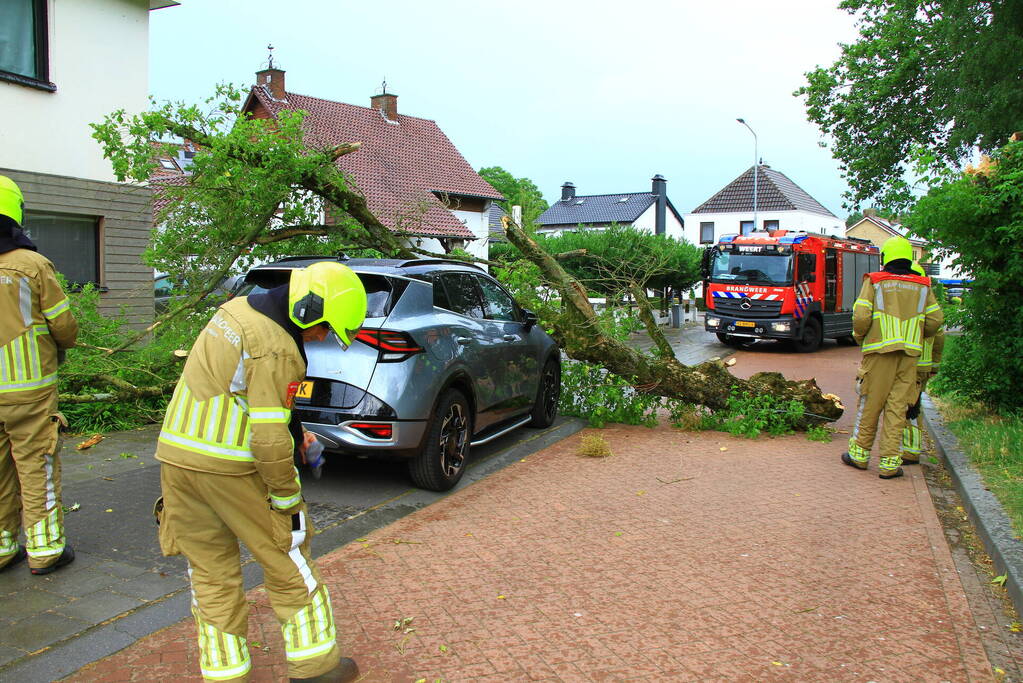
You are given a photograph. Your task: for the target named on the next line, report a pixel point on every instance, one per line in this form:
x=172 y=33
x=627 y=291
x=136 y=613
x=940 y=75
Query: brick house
x=55 y=78
x=878 y=230
x=414 y=179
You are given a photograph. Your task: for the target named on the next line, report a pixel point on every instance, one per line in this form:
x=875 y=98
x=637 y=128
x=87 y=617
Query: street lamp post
x=755 y=170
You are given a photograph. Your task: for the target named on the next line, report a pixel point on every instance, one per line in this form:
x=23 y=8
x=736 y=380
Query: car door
x=516 y=372
x=474 y=343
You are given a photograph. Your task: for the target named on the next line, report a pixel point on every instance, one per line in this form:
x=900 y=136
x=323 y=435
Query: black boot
x=345 y=671
x=18 y=558
x=66 y=558
x=892 y=475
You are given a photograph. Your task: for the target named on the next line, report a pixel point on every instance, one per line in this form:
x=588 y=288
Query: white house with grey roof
x=648 y=211
x=780 y=205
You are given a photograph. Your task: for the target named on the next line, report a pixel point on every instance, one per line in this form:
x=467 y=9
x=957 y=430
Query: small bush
x=818 y=433
x=594 y=446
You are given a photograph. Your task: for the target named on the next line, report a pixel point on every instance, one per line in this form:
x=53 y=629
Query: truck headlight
x=782 y=326
x=713 y=322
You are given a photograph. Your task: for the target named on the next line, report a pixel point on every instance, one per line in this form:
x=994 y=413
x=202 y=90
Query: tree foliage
x=258 y=189
x=517 y=192
x=925 y=76
x=977 y=220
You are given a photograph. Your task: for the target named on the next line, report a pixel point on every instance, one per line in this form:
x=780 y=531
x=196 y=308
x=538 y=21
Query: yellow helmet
x=918 y=269
x=896 y=248
x=328 y=292
x=12 y=202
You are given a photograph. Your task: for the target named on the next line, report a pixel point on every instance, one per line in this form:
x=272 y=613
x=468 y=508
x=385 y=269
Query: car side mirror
x=529 y=319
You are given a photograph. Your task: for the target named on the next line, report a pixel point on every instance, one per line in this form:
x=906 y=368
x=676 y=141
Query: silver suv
x=445 y=360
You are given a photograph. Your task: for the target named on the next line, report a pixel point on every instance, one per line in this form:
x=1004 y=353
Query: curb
x=986 y=513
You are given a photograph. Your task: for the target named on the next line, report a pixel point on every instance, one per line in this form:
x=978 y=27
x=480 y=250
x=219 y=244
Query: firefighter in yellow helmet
x=895 y=312
x=926 y=367
x=36 y=326
x=228 y=471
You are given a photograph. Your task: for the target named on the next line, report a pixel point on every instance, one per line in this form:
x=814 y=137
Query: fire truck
x=781 y=284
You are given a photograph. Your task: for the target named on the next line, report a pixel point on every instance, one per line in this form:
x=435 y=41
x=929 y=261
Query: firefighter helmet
x=918 y=269
x=896 y=248
x=328 y=292
x=12 y=202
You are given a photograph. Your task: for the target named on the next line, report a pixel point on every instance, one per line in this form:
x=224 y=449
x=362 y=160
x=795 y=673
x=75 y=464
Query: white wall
x=478 y=223
x=728 y=223
x=648 y=219
x=99 y=61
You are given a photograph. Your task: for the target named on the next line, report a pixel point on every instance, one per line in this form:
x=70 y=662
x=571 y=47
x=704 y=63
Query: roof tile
x=775 y=192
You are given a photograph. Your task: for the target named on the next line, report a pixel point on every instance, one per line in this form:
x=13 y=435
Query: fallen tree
x=257 y=189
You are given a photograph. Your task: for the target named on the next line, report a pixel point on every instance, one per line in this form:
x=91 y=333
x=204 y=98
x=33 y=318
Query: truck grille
x=758 y=308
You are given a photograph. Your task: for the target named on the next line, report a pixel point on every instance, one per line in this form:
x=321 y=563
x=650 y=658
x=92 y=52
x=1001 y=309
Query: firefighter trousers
x=912 y=433
x=203 y=516
x=30 y=481
x=886 y=384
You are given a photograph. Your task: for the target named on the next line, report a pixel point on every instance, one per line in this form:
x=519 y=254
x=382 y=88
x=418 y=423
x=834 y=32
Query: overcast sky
x=604 y=94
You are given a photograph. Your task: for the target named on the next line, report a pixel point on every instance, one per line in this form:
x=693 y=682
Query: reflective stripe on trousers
x=310 y=632
x=222 y=656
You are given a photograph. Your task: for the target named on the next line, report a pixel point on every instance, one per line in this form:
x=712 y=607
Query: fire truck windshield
x=762 y=268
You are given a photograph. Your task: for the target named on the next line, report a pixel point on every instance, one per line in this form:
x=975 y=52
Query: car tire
x=810 y=338
x=545 y=407
x=441 y=463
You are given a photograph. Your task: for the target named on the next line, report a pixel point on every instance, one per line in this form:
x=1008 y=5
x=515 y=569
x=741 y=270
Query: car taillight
x=375 y=430
x=393 y=346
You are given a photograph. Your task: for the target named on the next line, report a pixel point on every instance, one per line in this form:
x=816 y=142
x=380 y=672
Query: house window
x=707 y=233
x=71 y=242
x=770 y=225
x=745 y=227
x=23 y=45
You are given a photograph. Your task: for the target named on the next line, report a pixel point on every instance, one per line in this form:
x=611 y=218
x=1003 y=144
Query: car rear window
x=381 y=292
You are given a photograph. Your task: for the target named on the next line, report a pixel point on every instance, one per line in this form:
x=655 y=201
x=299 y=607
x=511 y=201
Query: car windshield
x=752 y=268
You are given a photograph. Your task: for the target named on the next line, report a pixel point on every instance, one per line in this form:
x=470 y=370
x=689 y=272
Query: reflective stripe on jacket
x=895 y=313
x=930 y=358
x=230 y=410
x=35 y=322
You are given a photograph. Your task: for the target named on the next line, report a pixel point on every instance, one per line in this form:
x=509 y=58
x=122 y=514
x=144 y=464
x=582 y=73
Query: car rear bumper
x=405 y=441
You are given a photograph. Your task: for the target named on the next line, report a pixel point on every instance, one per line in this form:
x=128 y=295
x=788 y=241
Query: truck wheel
x=729 y=340
x=810 y=340
x=442 y=461
x=848 y=340
x=545 y=408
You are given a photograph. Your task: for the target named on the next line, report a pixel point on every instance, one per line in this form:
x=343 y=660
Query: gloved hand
x=913 y=411
x=312 y=454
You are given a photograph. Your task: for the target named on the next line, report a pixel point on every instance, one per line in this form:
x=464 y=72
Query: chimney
x=870 y=212
x=659 y=189
x=273 y=79
x=567 y=191
x=386 y=104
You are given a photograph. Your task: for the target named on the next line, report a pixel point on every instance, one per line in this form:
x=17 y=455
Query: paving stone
x=41 y=630
x=29 y=601
x=9 y=654
x=149 y=586
x=99 y=606
x=77 y=581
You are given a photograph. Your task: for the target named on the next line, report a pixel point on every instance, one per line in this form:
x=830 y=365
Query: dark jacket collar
x=274 y=305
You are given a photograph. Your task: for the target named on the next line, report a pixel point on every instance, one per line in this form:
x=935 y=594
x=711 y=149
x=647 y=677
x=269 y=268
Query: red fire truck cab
x=784 y=285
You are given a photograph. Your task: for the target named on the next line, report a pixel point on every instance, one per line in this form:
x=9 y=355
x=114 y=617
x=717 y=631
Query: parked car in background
x=445 y=360
x=165 y=291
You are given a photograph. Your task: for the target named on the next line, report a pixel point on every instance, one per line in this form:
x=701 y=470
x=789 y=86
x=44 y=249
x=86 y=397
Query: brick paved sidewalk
x=686 y=556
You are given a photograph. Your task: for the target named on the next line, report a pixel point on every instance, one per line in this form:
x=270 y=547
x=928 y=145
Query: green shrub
x=750 y=415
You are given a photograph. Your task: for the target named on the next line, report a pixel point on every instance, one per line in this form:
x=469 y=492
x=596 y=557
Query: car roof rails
x=435 y=261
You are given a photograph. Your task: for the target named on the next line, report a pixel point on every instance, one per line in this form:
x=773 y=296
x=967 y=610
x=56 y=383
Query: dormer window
x=168 y=164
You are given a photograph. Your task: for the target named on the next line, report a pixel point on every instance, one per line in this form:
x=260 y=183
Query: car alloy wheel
x=454 y=437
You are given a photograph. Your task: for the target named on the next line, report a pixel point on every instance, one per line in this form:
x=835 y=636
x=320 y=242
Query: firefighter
x=228 y=471
x=926 y=367
x=895 y=312
x=36 y=326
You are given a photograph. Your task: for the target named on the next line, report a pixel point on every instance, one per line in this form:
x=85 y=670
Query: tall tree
x=517 y=191
x=927 y=80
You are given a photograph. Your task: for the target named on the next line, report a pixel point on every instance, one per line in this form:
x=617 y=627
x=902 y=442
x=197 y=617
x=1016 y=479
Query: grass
x=994 y=444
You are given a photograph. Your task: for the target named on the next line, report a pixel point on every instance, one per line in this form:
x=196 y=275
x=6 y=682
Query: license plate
x=745 y=323
x=305 y=390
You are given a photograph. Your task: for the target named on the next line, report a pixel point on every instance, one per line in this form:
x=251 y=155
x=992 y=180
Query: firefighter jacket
x=35 y=323
x=230 y=410
x=895 y=313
